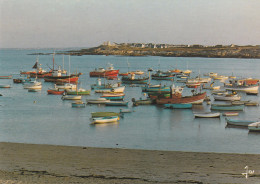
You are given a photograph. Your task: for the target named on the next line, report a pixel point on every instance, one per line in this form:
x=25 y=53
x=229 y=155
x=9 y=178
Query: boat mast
x=53 y=61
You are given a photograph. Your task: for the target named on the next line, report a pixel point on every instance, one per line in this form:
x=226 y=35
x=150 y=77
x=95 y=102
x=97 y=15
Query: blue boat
x=178 y=106
x=227 y=107
x=78 y=104
x=113 y=97
x=159 y=75
x=239 y=122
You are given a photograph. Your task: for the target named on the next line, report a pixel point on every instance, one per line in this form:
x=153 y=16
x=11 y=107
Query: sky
x=88 y=23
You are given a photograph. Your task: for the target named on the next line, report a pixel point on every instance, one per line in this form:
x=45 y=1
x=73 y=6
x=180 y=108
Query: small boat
x=193 y=85
x=104 y=114
x=254 y=127
x=230 y=114
x=207 y=115
x=34 y=90
x=137 y=72
x=113 y=96
x=239 y=102
x=126 y=110
x=245 y=85
x=114 y=90
x=156 y=88
x=117 y=103
x=6 y=77
x=142 y=102
x=55 y=91
x=227 y=107
x=159 y=75
x=66 y=86
x=106 y=119
x=80 y=91
x=78 y=104
x=251 y=103
x=71 y=97
x=227 y=97
x=211 y=74
x=239 y=122
x=132 y=80
x=97 y=101
x=101 y=72
x=32 y=85
x=5 y=86
x=178 y=106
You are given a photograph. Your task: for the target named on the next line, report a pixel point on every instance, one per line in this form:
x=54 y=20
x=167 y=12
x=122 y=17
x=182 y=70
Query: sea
x=39 y=118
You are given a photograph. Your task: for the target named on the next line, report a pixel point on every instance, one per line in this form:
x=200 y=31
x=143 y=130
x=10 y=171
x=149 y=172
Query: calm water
x=52 y=121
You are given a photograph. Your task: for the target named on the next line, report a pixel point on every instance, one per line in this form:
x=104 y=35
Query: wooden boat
x=107 y=119
x=101 y=72
x=34 y=90
x=117 y=103
x=137 y=72
x=79 y=104
x=211 y=74
x=6 y=77
x=177 y=98
x=227 y=107
x=55 y=91
x=227 y=97
x=113 y=96
x=66 y=86
x=254 y=127
x=142 y=102
x=230 y=114
x=71 y=97
x=193 y=85
x=132 y=80
x=199 y=80
x=239 y=122
x=178 y=106
x=5 y=86
x=207 y=115
x=80 y=91
x=245 y=85
x=104 y=114
x=114 y=90
x=251 y=103
x=97 y=101
x=161 y=76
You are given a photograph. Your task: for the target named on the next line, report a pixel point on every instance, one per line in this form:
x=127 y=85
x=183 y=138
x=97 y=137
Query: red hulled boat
x=101 y=72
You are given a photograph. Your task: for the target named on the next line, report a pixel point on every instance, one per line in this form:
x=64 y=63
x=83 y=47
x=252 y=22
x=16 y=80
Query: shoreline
x=33 y=163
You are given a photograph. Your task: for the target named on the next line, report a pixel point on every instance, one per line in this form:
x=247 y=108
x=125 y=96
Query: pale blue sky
x=84 y=23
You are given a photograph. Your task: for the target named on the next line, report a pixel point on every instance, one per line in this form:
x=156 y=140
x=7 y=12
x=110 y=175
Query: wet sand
x=33 y=164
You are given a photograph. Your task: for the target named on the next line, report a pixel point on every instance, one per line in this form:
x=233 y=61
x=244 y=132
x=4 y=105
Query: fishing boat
x=99 y=85
x=113 y=96
x=71 y=97
x=6 y=77
x=120 y=89
x=79 y=91
x=227 y=97
x=130 y=79
x=5 y=86
x=78 y=104
x=227 y=107
x=117 y=103
x=104 y=114
x=55 y=91
x=239 y=122
x=178 y=106
x=207 y=115
x=177 y=98
x=254 y=127
x=193 y=85
x=230 y=114
x=97 y=101
x=107 y=119
x=245 y=85
x=101 y=72
x=159 y=75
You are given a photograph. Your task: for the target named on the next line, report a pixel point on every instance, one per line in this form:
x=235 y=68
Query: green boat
x=104 y=114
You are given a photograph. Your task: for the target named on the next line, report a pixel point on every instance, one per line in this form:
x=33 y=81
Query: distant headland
x=169 y=50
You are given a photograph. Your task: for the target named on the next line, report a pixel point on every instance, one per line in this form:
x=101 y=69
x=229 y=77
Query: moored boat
x=5 y=86
x=6 y=77
x=71 y=97
x=78 y=104
x=101 y=72
x=132 y=80
x=227 y=107
x=79 y=91
x=113 y=89
x=178 y=106
x=239 y=122
x=104 y=114
x=117 y=103
x=254 y=127
x=97 y=101
x=207 y=115
x=230 y=114
x=55 y=91
x=227 y=97
x=107 y=119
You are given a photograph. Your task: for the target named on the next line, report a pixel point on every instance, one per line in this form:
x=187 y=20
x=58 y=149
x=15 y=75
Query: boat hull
x=227 y=107
x=178 y=106
x=238 y=122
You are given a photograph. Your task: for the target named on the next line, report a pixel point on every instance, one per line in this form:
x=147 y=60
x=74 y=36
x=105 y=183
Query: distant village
x=164 y=46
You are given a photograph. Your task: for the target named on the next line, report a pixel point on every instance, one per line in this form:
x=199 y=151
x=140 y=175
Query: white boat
x=66 y=86
x=107 y=119
x=227 y=97
x=71 y=97
x=211 y=74
x=5 y=86
x=254 y=126
x=97 y=101
x=198 y=79
x=120 y=89
x=207 y=115
x=33 y=85
x=247 y=85
x=230 y=113
x=137 y=72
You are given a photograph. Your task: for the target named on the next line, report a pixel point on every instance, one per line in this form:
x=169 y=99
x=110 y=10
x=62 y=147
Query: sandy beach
x=28 y=164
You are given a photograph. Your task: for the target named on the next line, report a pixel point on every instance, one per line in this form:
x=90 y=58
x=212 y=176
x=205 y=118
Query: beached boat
x=230 y=114
x=177 y=98
x=107 y=119
x=178 y=106
x=239 y=122
x=6 y=77
x=71 y=97
x=117 y=103
x=104 y=114
x=78 y=104
x=97 y=101
x=227 y=97
x=254 y=127
x=207 y=115
x=79 y=91
x=5 y=86
x=130 y=79
x=101 y=72
x=227 y=107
